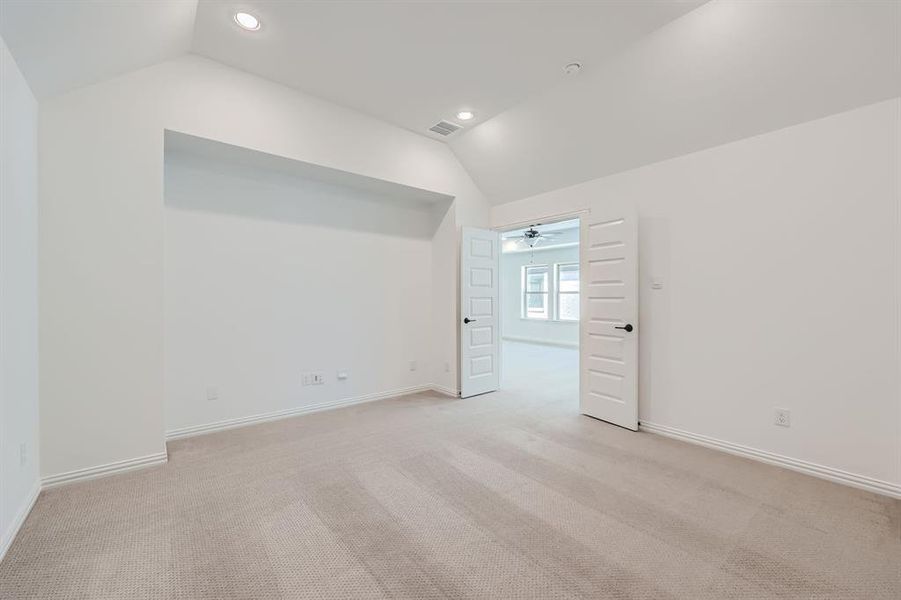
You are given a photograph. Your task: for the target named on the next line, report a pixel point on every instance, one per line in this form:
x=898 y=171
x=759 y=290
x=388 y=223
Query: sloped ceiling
x=661 y=78
x=60 y=45
x=726 y=71
x=415 y=63
x=411 y=63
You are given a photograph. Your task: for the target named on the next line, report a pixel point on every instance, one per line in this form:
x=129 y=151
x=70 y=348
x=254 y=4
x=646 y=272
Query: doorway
x=515 y=289
x=540 y=311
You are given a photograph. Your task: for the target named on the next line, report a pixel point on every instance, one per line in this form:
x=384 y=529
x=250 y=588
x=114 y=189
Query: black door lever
x=467 y=320
x=628 y=327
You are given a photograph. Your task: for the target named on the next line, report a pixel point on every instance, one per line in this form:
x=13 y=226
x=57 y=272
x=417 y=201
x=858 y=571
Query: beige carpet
x=508 y=495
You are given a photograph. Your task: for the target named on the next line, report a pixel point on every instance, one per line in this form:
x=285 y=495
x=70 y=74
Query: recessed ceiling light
x=247 y=21
x=465 y=115
x=572 y=68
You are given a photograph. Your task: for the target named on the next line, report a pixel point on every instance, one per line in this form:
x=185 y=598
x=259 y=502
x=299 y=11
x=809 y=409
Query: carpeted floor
x=508 y=495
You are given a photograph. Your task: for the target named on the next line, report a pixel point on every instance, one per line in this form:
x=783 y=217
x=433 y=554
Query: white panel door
x=479 y=321
x=609 y=361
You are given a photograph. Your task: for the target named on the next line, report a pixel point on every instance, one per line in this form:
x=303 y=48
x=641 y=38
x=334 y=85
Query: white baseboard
x=836 y=475
x=182 y=432
x=112 y=468
x=161 y=457
x=540 y=342
x=445 y=390
x=10 y=534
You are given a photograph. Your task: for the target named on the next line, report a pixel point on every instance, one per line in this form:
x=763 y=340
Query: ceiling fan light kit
x=531 y=237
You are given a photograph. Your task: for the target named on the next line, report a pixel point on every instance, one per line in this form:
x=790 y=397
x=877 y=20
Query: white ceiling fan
x=531 y=237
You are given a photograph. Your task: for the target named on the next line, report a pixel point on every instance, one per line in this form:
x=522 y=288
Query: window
x=551 y=298
x=535 y=292
x=568 y=292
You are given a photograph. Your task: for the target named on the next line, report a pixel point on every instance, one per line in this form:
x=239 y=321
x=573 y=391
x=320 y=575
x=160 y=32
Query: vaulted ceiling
x=410 y=63
x=661 y=77
x=726 y=71
x=415 y=63
x=61 y=45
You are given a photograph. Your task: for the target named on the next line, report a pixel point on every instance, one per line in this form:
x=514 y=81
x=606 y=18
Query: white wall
x=269 y=276
x=513 y=326
x=102 y=223
x=18 y=297
x=782 y=288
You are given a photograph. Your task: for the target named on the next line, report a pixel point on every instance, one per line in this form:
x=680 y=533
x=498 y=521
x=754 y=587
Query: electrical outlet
x=783 y=417
x=212 y=394
x=447 y=367
x=342 y=375
x=23 y=454
x=313 y=378
x=413 y=365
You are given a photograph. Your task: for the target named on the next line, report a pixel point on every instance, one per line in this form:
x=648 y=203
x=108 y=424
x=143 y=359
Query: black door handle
x=628 y=327
x=467 y=320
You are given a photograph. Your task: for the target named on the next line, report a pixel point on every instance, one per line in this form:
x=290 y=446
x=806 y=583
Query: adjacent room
x=539 y=306
x=415 y=299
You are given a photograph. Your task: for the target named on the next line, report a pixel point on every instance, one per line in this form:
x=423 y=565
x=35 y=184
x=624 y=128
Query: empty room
x=450 y=299
x=539 y=310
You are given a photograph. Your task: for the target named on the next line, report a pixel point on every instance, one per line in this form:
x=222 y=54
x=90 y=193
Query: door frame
x=568 y=216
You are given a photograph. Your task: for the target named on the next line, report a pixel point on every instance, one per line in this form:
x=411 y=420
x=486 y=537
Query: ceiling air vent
x=444 y=128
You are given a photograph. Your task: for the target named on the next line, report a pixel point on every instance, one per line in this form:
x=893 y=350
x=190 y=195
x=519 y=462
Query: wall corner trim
x=9 y=535
x=823 y=472
x=112 y=468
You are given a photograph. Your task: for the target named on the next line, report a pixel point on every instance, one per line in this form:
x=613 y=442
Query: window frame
x=558 y=292
x=524 y=294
